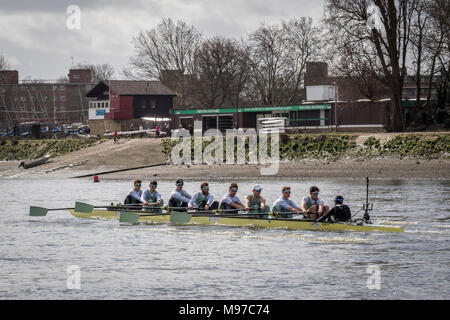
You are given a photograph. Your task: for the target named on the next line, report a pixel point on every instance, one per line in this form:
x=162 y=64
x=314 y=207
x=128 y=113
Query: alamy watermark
x=374 y=280
x=374 y=20
x=73 y=22
x=74 y=279
x=236 y=140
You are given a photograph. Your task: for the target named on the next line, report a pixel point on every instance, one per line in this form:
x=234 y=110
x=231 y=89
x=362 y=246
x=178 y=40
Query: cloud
x=35 y=32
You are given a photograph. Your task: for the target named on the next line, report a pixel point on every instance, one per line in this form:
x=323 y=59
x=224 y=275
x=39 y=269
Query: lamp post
x=336 y=97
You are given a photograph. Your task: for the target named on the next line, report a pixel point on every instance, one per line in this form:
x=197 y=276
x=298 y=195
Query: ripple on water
x=208 y=262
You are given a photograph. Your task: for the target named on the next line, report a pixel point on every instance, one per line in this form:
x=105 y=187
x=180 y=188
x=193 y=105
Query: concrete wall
x=99 y=127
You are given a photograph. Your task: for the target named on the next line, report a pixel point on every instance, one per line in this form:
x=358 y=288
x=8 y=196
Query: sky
x=41 y=38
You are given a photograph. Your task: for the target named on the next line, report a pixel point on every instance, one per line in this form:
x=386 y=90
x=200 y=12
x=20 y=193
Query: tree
x=99 y=71
x=169 y=46
x=4 y=64
x=221 y=69
x=380 y=29
x=278 y=57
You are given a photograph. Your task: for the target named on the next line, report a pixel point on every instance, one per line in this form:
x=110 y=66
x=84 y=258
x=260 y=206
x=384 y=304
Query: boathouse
x=118 y=104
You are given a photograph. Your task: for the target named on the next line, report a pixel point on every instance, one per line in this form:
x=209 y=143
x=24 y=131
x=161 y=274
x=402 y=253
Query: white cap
x=256 y=187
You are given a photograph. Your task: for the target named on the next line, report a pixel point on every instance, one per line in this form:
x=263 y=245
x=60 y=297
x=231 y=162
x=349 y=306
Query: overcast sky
x=37 y=42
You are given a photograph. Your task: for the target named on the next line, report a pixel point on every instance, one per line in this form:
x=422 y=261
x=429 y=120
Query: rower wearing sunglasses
x=179 y=198
x=284 y=206
x=230 y=201
x=312 y=207
x=152 y=198
x=134 y=195
x=254 y=202
x=203 y=200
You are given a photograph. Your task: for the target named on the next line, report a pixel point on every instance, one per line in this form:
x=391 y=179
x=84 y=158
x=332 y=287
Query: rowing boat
x=271 y=222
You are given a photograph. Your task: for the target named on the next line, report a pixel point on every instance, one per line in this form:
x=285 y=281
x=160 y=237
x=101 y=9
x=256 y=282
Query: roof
x=132 y=87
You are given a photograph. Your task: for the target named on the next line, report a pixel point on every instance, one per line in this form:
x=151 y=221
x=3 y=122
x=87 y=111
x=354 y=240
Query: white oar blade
x=38 y=211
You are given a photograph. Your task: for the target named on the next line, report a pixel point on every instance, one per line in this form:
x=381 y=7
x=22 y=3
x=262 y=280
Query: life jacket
x=201 y=200
x=150 y=197
x=310 y=202
x=254 y=203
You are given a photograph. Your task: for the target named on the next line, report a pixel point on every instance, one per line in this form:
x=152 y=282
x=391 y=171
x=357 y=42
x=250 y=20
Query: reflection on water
x=203 y=262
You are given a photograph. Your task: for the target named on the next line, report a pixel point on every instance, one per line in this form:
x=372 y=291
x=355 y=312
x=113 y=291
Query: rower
x=179 y=198
x=134 y=195
x=340 y=212
x=312 y=207
x=284 y=206
x=203 y=200
x=254 y=202
x=230 y=201
x=152 y=198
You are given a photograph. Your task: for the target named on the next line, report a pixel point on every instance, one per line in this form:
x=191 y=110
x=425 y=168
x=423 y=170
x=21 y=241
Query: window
x=62 y=98
x=76 y=76
x=62 y=87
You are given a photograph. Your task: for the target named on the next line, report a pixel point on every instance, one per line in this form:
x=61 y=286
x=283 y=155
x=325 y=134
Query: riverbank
x=379 y=156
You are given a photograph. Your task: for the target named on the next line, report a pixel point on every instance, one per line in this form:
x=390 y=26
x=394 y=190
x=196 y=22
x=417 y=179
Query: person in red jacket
x=115 y=136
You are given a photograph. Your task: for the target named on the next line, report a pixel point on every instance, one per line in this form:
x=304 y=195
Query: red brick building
x=44 y=100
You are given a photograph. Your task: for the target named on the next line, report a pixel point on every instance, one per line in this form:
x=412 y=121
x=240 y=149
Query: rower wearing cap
x=312 y=207
x=284 y=206
x=230 y=201
x=152 y=198
x=340 y=212
x=203 y=200
x=134 y=195
x=254 y=201
x=179 y=198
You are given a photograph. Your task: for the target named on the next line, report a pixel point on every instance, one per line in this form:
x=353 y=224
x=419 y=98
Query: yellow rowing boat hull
x=291 y=224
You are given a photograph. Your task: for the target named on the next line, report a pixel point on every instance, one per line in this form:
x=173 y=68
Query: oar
x=79 y=207
x=42 y=212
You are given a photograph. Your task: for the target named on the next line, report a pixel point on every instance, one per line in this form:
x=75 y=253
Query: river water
x=41 y=256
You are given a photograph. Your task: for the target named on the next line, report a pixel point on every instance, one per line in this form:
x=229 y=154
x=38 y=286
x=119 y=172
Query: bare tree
x=169 y=46
x=221 y=69
x=419 y=30
x=304 y=42
x=99 y=71
x=278 y=57
x=4 y=64
x=384 y=43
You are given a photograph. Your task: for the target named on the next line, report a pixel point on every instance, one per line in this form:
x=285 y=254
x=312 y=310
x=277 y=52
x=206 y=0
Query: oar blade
x=38 y=211
x=180 y=217
x=129 y=217
x=83 y=207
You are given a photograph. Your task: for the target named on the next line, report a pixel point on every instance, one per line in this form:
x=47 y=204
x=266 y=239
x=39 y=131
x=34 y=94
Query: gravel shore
x=131 y=153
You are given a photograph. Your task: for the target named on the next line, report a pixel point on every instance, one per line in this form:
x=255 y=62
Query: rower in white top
x=134 y=195
x=285 y=207
x=203 y=200
x=179 y=198
x=230 y=201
